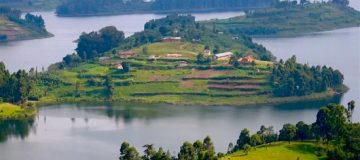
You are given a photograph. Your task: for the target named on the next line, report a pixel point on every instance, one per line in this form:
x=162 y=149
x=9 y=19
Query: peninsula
x=13 y=27
x=288 y=19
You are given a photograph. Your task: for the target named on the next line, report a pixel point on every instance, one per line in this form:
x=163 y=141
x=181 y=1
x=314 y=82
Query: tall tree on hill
x=287 y=133
x=244 y=138
x=109 y=88
x=303 y=131
x=187 y=152
x=331 y=122
x=95 y=44
x=128 y=152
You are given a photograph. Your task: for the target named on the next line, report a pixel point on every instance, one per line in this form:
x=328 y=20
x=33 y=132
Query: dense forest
x=15 y=87
x=333 y=127
x=293 y=79
x=94 y=7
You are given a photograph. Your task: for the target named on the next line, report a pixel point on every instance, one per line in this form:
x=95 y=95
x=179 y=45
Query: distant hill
x=13 y=27
x=108 y=7
x=289 y=20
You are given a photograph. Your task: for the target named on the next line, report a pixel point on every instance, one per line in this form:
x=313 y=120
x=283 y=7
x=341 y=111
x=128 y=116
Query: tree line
x=93 y=45
x=15 y=87
x=333 y=127
x=290 y=78
x=91 y=7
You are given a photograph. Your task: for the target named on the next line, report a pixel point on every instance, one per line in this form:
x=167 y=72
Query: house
x=223 y=56
x=118 y=67
x=207 y=52
x=171 y=39
x=103 y=58
x=173 y=55
x=182 y=64
x=126 y=54
x=247 y=59
x=152 y=58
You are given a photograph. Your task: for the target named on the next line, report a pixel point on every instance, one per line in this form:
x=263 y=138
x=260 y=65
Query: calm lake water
x=95 y=131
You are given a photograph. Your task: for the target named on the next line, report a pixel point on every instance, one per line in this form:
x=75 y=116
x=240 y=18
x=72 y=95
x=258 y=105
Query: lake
x=95 y=131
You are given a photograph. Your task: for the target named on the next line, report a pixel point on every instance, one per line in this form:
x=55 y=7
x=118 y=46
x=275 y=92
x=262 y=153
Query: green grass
x=188 y=50
x=279 y=151
x=294 y=21
x=10 y=111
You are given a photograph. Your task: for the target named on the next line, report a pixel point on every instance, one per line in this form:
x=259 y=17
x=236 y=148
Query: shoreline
x=157 y=12
x=48 y=35
x=328 y=95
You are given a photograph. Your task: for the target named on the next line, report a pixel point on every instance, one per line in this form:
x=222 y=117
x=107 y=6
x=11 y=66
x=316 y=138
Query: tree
x=234 y=60
x=109 y=87
x=255 y=140
x=4 y=75
x=126 y=66
x=95 y=44
x=230 y=148
x=161 y=155
x=149 y=152
x=77 y=89
x=303 y=131
x=267 y=134
x=331 y=122
x=71 y=60
x=145 y=50
x=111 y=37
x=209 y=148
x=244 y=138
x=199 y=149
x=37 y=20
x=202 y=59
x=287 y=133
x=113 y=52
x=247 y=148
x=187 y=152
x=128 y=152
x=350 y=110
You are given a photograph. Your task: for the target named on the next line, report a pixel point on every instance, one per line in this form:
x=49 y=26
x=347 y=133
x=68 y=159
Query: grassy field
x=293 y=21
x=161 y=49
x=10 y=111
x=279 y=151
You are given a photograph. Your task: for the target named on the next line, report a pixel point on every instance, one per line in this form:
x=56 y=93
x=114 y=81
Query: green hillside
x=289 y=21
x=10 y=111
x=14 y=27
x=279 y=151
x=164 y=81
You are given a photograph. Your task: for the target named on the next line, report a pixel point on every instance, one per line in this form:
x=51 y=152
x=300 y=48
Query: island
x=14 y=27
x=174 y=60
x=288 y=19
x=76 y=8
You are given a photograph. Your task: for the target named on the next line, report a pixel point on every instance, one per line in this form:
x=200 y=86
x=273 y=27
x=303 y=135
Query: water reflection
x=15 y=129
